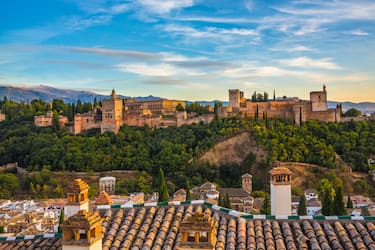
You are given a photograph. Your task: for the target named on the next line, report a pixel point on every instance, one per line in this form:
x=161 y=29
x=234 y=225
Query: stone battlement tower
x=319 y=100
x=112 y=114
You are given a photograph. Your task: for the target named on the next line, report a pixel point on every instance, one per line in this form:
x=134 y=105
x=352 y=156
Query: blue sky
x=191 y=49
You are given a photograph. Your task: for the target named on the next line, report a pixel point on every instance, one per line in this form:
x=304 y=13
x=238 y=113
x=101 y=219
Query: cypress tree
x=221 y=201
x=302 y=206
x=61 y=220
x=338 y=202
x=327 y=206
x=163 y=191
x=188 y=195
x=266 y=208
x=227 y=201
x=349 y=203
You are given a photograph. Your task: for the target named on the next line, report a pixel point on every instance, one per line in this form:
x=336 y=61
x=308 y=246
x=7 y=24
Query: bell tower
x=247 y=182
x=281 y=191
x=78 y=197
x=82 y=231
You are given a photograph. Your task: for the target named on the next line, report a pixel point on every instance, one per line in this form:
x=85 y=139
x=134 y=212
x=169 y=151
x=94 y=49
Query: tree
x=302 y=205
x=327 y=203
x=349 y=203
x=254 y=97
x=188 y=195
x=227 y=201
x=163 y=191
x=61 y=220
x=265 y=96
x=266 y=208
x=338 y=202
x=274 y=95
x=352 y=112
x=221 y=201
x=179 y=107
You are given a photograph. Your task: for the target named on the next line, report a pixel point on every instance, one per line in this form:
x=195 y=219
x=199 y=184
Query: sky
x=191 y=49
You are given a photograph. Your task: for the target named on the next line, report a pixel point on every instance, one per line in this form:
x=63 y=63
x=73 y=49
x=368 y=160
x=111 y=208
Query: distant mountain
x=48 y=93
x=364 y=107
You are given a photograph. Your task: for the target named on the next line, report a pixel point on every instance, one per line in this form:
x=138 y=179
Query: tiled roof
x=103 y=199
x=280 y=170
x=234 y=192
x=77 y=186
x=158 y=228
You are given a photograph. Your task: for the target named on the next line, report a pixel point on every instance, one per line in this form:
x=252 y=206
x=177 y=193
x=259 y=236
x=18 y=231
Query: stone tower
x=78 y=198
x=247 y=182
x=319 y=100
x=112 y=114
x=281 y=191
x=82 y=231
x=235 y=98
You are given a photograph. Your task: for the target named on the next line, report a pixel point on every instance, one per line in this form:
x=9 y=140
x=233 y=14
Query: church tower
x=82 y=231
x=281 y=191
x=78 y=198
x=247 y=182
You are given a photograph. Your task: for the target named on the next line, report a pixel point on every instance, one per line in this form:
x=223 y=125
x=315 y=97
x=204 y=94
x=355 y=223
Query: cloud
x=357 y=33
x=79 y=23
x=305 y=62
x=297 y=48
x=163 y=7
x=113 y=52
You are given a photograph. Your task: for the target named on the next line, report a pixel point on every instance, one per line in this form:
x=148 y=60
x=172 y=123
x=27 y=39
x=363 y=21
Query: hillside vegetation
x=178 y=150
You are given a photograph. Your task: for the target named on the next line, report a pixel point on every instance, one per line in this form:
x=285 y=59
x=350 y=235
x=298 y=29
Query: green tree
x=349 y=203
x=327 y=203
x=302 y=205
x=61 y=220
x=227 y=201
x=188 y=195
x=266 y=208
x=352 y=112
x=338 y=202
x=163 y=191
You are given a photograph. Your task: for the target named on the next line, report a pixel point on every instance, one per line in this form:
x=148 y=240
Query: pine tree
x=274 y=95
x=163 y=191
x=338 y=202
x=349 y=203
x=302 y=206
x=188 y=195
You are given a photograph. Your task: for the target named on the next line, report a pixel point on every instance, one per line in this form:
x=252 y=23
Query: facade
x=47 y=120
x=311 y=194
x=313 y=206
x=116 y=112
x=288 y=108
x=2 y=116
x=78 y=198
x=281 y=193
x=247 y=183
x=107 y=184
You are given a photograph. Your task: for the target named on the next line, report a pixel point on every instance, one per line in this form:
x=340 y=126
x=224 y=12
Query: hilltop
x=48 y=93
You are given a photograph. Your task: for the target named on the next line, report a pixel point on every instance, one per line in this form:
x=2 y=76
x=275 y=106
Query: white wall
x=70 y=210
x=281 y=200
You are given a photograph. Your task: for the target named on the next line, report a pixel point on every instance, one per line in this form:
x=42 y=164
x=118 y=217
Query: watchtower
x=247 y=182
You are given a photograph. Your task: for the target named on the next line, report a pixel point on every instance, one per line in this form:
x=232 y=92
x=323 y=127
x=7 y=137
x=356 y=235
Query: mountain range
x=48 y=93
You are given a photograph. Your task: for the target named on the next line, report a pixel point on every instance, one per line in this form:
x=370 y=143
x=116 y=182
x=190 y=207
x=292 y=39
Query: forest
x=174 y=150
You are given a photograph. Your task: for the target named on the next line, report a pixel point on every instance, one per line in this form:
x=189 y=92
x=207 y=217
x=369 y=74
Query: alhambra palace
x=116 y=112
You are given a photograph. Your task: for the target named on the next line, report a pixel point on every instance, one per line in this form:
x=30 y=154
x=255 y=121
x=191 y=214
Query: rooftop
x=157 y=227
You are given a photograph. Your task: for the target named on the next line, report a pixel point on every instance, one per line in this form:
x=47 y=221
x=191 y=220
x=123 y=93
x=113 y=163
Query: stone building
x=108 y=184
x=289 y=108
x=2 y=116
x=240 y=198
x=281 y=192
x=112 y=114
x=86 y=121
x=47 y=120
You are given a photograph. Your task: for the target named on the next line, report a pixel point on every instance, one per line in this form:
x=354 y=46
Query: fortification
x=289 y=108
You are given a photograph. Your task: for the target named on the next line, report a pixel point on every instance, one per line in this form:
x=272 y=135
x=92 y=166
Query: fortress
x=289 y=108
x=116 y=112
